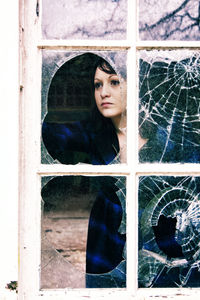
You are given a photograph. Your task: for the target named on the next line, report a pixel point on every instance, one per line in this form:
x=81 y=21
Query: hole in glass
x=76 y=252
x=86 y=119
x=169 y=231
x=86 y=123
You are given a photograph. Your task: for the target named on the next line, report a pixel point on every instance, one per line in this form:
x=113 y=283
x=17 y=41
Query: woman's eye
x=115 y=82
x=97 y=85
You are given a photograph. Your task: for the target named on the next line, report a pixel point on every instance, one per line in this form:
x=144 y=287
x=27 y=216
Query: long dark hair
x=100 y=123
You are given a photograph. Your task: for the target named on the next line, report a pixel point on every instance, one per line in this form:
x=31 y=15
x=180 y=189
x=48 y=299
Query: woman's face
x=109 y=94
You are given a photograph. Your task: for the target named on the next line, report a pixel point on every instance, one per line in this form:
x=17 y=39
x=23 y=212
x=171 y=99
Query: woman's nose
x=105 y=91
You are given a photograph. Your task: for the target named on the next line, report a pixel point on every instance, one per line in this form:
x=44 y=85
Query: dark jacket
x=105 y=244
x=60 y=139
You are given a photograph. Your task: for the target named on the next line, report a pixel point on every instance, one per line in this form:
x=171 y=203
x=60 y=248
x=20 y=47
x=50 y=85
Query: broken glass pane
x=169 y=231
x=169 y=20
x=75 y=130
x=169 y=92
x=84 y=19
x=83 y=232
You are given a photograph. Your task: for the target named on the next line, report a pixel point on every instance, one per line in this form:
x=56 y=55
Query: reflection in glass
x=169 y=20
x=86 y=119
x=169 y=231
x=67 y=203
x=84 y=19
x=169 y=106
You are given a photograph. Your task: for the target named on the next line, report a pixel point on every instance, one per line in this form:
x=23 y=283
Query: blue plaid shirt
x=105 y=244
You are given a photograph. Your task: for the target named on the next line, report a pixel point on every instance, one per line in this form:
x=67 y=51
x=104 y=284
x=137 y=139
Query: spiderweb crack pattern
x=169 y=92
x=169 y=231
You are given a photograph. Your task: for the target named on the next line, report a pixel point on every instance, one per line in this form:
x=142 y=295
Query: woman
x=103 y=137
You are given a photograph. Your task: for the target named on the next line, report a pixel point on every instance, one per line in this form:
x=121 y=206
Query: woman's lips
x=106 y=104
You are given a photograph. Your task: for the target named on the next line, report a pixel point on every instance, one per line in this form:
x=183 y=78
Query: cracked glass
x=83 y=230
x=169 y=20
x=169 y=231
x=169 y=106
x=97 y=19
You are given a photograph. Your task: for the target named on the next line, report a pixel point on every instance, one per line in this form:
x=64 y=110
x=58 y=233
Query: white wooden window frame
x=31 y=168
x=9 y=148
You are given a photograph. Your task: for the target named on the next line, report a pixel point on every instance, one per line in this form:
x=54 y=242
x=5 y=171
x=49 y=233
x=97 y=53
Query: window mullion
x=167 y=44
x=84 y=169
x=132 y=109
x=84 y=44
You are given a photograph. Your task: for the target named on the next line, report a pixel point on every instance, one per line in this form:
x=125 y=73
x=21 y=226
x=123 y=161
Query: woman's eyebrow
x=111 y=75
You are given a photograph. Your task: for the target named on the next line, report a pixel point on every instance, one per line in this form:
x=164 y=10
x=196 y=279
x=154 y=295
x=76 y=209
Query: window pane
x=67 y=203
x=169 y=106
x=169 y=231
x=84 y=107
x=84 y=19
x=169 y=20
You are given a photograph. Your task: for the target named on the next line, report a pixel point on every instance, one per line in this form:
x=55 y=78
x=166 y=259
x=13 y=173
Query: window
x=159 y=183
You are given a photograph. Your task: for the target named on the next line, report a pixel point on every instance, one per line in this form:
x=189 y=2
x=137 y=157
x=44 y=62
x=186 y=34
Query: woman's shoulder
x=67 y=127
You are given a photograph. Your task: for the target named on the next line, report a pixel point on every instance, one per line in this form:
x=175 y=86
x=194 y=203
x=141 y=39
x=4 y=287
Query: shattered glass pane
x=97 y=19
x=68 y=202
x=69 y=110
x=169 y=20
x=169 y=92
x=169 y=231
